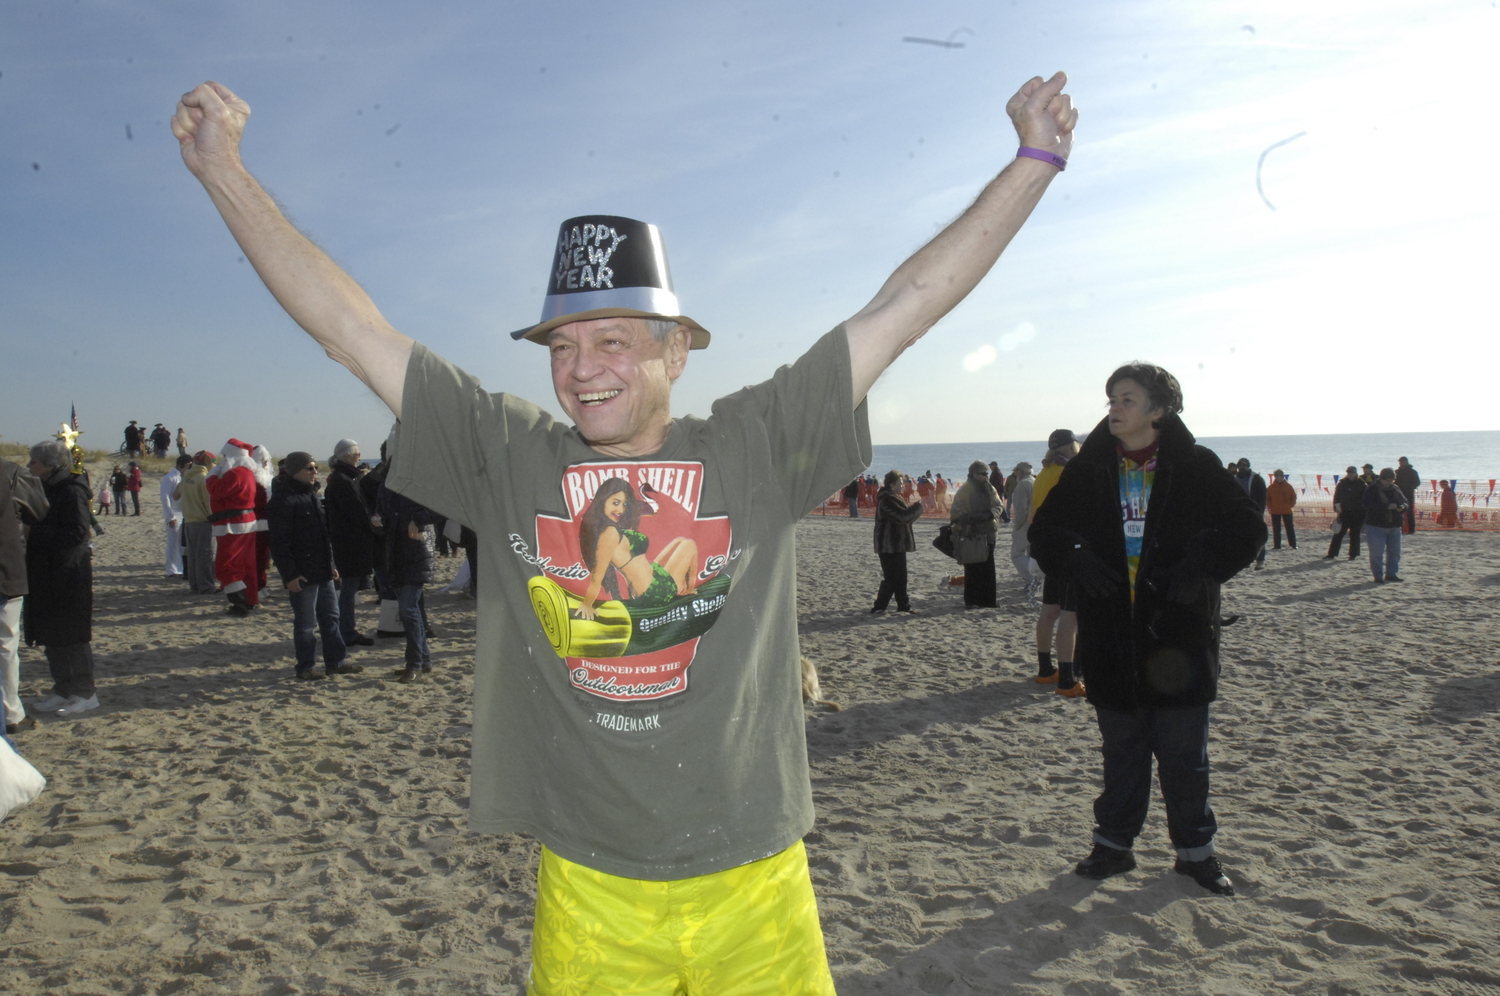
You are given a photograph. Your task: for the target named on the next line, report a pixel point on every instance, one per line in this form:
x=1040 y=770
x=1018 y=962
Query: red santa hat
x=236 y=453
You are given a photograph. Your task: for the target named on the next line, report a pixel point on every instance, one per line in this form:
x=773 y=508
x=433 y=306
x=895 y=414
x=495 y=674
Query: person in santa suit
x=233 y=486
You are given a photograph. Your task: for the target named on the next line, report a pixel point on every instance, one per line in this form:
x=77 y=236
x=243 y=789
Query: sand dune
x=215 y=827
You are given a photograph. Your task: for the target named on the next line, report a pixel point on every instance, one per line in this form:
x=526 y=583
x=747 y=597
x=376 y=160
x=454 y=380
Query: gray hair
x=660 y=328
x=344 y=446
x=52 y=453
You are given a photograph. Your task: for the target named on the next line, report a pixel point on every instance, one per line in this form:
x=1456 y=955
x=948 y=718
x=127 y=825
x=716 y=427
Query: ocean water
x=1462 y=456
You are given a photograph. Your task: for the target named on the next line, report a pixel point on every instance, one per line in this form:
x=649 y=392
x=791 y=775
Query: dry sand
x=217 y=828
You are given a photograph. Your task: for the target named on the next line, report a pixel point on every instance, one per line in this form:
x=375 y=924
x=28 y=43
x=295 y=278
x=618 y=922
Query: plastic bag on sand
x=20 y=783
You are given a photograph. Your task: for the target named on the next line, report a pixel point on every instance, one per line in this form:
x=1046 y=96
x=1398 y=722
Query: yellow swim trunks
x=745 y=931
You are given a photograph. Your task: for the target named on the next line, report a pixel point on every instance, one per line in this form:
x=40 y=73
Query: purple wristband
x=1046 y=157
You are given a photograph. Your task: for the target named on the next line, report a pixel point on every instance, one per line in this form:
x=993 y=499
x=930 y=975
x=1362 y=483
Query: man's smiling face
x=615 y=381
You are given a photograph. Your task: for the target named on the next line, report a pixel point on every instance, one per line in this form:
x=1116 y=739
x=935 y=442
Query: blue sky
x=792 y=154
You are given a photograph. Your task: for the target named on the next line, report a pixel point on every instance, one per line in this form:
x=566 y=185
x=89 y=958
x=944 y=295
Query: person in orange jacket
x=1281 y=498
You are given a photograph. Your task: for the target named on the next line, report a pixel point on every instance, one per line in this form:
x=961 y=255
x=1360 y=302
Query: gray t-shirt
x=662 y=738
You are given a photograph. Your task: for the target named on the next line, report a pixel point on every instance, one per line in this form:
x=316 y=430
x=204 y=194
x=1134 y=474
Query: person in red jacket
x=133 y=485
x=1281 y=498
x=232 y=488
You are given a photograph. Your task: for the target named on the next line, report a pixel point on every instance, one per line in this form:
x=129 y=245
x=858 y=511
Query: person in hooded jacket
x=1408 y=481
x=893 y=541
x=59 y=609
x=349 y=529
x=975 y=517
x=410 y=550
x=1148 y=526
x=298 y=537
x=1385 y=519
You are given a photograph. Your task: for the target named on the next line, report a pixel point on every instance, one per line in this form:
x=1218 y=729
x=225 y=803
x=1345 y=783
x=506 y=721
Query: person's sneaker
x=25 y=723
x=1207 y=873
x=1074 y=691
x=406 y=675
x=1331 y=556
x=51 y=703
x=359 y=640
x=78 y=704
x=311 y=674
x=1392 y=577
x=427 y=667
x=345 y=669
x=1104 y=861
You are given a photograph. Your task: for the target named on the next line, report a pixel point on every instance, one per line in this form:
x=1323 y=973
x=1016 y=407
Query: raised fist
x=209 y=122
x=1043 y=115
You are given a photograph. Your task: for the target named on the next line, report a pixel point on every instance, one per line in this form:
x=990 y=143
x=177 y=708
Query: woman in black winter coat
x=354 y=541
x=59 y=609
x=893 y=541
x=1148 y=526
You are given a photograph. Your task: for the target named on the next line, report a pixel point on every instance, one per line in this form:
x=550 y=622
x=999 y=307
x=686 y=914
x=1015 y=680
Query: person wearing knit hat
x=640 y=771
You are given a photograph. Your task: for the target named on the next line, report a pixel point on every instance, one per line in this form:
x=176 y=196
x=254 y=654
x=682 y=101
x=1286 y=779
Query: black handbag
x=944 y=540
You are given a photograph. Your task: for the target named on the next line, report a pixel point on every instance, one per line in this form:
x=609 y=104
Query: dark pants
x=979 y=582
x=1411 y=511
x=853 y=507
x=119 y=502
x=412 y=602
x=1353 y=525
x=1277 y=521
x=198 y=557
x=72 y=668
x=892 y=581
x=315 y=610
x=135 y=499
x=348 y=599
x=1178 y=738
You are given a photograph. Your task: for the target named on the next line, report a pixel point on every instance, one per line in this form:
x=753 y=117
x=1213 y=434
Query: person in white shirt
x=171 y=514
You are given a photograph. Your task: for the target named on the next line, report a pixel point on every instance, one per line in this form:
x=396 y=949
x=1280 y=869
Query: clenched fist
x=1043 y=115
x=209 y=122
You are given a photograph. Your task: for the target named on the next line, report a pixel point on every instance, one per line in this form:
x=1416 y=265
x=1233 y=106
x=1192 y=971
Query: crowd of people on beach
x=227 y=520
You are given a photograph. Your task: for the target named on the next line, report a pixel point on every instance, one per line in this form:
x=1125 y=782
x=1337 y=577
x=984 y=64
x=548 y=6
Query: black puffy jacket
x=408 y=561
x=1152 y=652
x=893 y=519
x=299 y=536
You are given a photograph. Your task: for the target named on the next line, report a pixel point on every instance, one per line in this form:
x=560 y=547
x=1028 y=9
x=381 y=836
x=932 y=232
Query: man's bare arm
x=942 y=273
x=319 y=296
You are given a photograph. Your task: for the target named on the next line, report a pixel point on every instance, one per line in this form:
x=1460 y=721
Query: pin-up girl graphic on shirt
x=617 y=552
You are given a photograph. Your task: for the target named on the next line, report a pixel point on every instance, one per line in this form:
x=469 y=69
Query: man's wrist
x=1042 y=155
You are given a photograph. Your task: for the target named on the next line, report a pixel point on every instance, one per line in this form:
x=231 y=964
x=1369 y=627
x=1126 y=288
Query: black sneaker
x=342 y=668
x=359 y=640
x=427 y=667
x=1392 y=577
x=1104 y=861
x=1207 y=873
x=406 y=675
x=311 y=674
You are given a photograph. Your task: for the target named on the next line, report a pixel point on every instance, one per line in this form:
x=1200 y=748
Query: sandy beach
x=216 y=827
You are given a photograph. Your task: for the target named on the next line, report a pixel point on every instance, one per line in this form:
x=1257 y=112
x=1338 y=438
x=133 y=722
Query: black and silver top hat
x=605 y=267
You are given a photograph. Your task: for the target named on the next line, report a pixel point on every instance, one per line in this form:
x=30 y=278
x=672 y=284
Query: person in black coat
x=1148 y=526
x=893 y=541
x=304 y=559
x=410 y=552
x=1348 y=502
x=59 y=609
x=1255 y=486
x=348 y=515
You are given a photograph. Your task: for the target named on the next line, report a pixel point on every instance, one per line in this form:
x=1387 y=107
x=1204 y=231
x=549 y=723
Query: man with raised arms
x=672 y=826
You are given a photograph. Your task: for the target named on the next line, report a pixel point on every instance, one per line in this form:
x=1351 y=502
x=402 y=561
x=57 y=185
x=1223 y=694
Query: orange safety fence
x=1477 y=501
